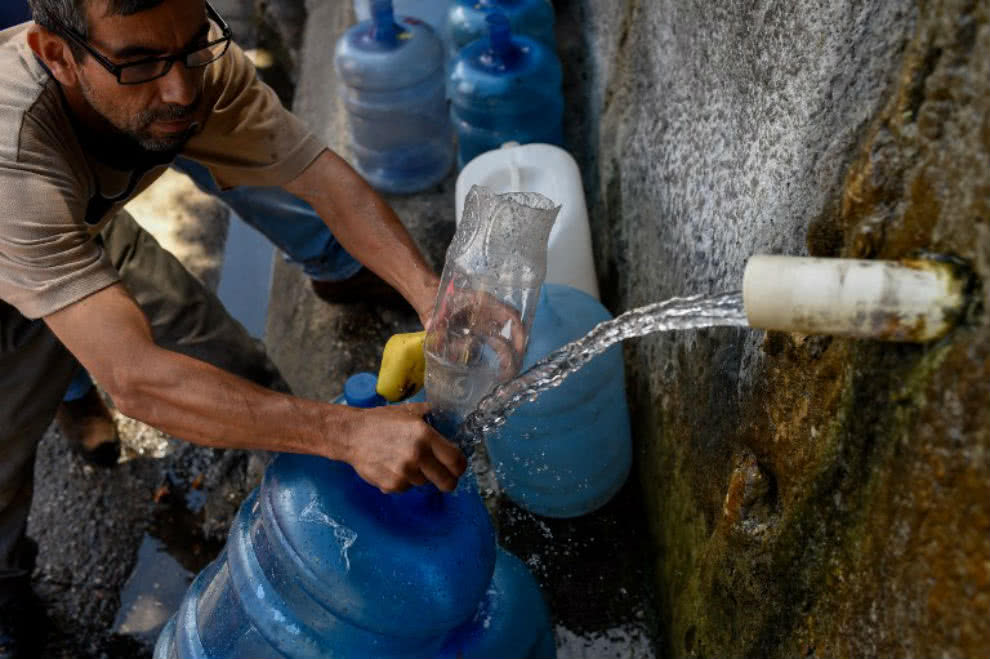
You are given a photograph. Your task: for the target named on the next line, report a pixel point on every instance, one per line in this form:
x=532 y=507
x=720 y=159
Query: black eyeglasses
x=146 y=70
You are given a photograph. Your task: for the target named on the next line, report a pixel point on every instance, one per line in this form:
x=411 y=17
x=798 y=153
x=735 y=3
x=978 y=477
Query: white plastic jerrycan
x=552 y=172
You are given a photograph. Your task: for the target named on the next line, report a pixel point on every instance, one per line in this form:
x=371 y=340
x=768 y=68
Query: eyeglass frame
x=116 y=69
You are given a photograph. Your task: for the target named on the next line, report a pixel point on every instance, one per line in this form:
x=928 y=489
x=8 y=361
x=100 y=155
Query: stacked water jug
x=319 y=564
x=392 y=84
x=503 y=81
x=504 y=88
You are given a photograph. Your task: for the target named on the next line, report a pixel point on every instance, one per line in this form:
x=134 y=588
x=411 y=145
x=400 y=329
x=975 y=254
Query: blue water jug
x=321 y=564
x=466 y=21
x=504 y=88
x=569 y=451
x=392 y=85
x=513 y=621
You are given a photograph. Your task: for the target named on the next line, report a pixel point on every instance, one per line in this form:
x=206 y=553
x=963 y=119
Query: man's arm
x=367 y=228
x=391 y=447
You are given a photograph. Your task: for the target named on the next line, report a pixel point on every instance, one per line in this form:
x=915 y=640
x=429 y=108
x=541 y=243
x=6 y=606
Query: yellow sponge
x=403 y=366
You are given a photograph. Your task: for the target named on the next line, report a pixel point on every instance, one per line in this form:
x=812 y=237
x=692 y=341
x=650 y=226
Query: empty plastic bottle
x=553 y=173
x=569 y=451
x=502 y=89
x=488 y=294
x=321 y=564
x=392 y=75
x=466 y=21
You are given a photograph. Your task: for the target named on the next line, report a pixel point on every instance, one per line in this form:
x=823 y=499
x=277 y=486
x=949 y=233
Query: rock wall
x=808 y=496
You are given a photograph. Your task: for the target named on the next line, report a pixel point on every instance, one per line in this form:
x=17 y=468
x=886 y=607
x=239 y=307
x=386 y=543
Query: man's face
x=162 y=114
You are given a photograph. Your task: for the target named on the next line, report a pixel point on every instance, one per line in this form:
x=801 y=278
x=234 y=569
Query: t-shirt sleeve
x=249 y=137
x=48 y=259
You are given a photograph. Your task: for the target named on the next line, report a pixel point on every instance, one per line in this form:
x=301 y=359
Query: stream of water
x=680 y=313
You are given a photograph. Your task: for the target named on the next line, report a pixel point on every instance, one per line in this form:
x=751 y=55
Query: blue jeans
x=289 y=222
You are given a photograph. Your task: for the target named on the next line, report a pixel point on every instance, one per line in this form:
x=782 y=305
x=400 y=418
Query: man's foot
x=365 y=286
x=88 y=427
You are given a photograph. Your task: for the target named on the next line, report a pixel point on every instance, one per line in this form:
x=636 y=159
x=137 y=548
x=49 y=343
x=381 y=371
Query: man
x=96 y=99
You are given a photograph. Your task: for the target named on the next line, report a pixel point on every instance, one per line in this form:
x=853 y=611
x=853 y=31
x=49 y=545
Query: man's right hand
x=394 y=449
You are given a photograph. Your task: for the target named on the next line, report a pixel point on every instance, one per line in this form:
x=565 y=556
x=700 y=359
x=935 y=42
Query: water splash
x=681 y=313
x=345 y=537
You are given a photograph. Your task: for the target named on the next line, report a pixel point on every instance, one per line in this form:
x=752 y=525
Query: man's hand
x=393 y=448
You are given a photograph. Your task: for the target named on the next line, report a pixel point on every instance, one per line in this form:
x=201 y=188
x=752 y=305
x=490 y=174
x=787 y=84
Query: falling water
x=680 y=313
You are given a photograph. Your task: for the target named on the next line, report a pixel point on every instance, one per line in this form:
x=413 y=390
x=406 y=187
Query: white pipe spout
x=910 y=300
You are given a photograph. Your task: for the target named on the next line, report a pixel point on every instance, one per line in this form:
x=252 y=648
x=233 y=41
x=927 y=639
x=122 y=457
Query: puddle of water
x=171 y=554
x=246 y=276
x=152 y=592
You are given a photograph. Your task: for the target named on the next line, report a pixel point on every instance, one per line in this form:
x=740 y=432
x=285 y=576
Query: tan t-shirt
x=55 y=198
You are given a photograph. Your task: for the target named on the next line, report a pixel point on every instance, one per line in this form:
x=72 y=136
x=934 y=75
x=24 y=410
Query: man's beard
x=134 y=140
x=173 y=143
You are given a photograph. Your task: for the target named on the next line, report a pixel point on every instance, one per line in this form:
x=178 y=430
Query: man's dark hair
x=72 y=14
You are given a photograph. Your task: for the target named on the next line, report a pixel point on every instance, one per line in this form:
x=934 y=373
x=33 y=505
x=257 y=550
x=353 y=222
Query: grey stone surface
x=708 y=132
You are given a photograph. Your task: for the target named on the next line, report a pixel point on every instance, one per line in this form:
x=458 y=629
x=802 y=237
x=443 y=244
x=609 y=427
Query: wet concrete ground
x=93 y=524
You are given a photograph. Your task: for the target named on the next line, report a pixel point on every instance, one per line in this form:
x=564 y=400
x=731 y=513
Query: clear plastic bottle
x=466 y=21
x=488 y=294
x=506 y=88
x=392 y=84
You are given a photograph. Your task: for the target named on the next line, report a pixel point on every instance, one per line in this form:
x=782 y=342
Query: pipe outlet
x=909 y=300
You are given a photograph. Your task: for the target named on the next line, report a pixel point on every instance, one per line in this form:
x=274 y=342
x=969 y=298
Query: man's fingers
x=439 y=475
x=414 y=474
x=448 y=455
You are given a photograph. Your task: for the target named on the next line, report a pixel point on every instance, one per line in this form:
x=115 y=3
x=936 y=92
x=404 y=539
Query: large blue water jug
x=466 y=21
x=321 y=564
x=392 y=83
x=569 y=451
x=504 y=88
x=513 y=621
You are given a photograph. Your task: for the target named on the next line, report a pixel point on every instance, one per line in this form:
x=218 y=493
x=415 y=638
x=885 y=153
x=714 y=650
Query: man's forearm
x=367 y=227
x=200 y=403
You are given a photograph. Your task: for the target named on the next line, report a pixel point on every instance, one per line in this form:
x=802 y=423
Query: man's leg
x=86 y=423
x=184 y=315
x=35 y=370
x=294 y=227
x=287 y=221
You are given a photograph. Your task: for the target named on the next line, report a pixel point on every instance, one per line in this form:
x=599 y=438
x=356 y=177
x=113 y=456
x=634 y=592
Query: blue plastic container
x=321 y=564
x=569 y=451
x=504 y=88
x=466 y=21
x=513 y=621
x=392 y=83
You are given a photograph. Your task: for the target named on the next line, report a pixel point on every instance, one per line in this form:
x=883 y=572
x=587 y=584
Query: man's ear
x=55 y=53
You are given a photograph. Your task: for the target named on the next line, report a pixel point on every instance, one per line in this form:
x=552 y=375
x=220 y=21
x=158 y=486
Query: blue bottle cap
x=384 y=29
x=359 y=391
